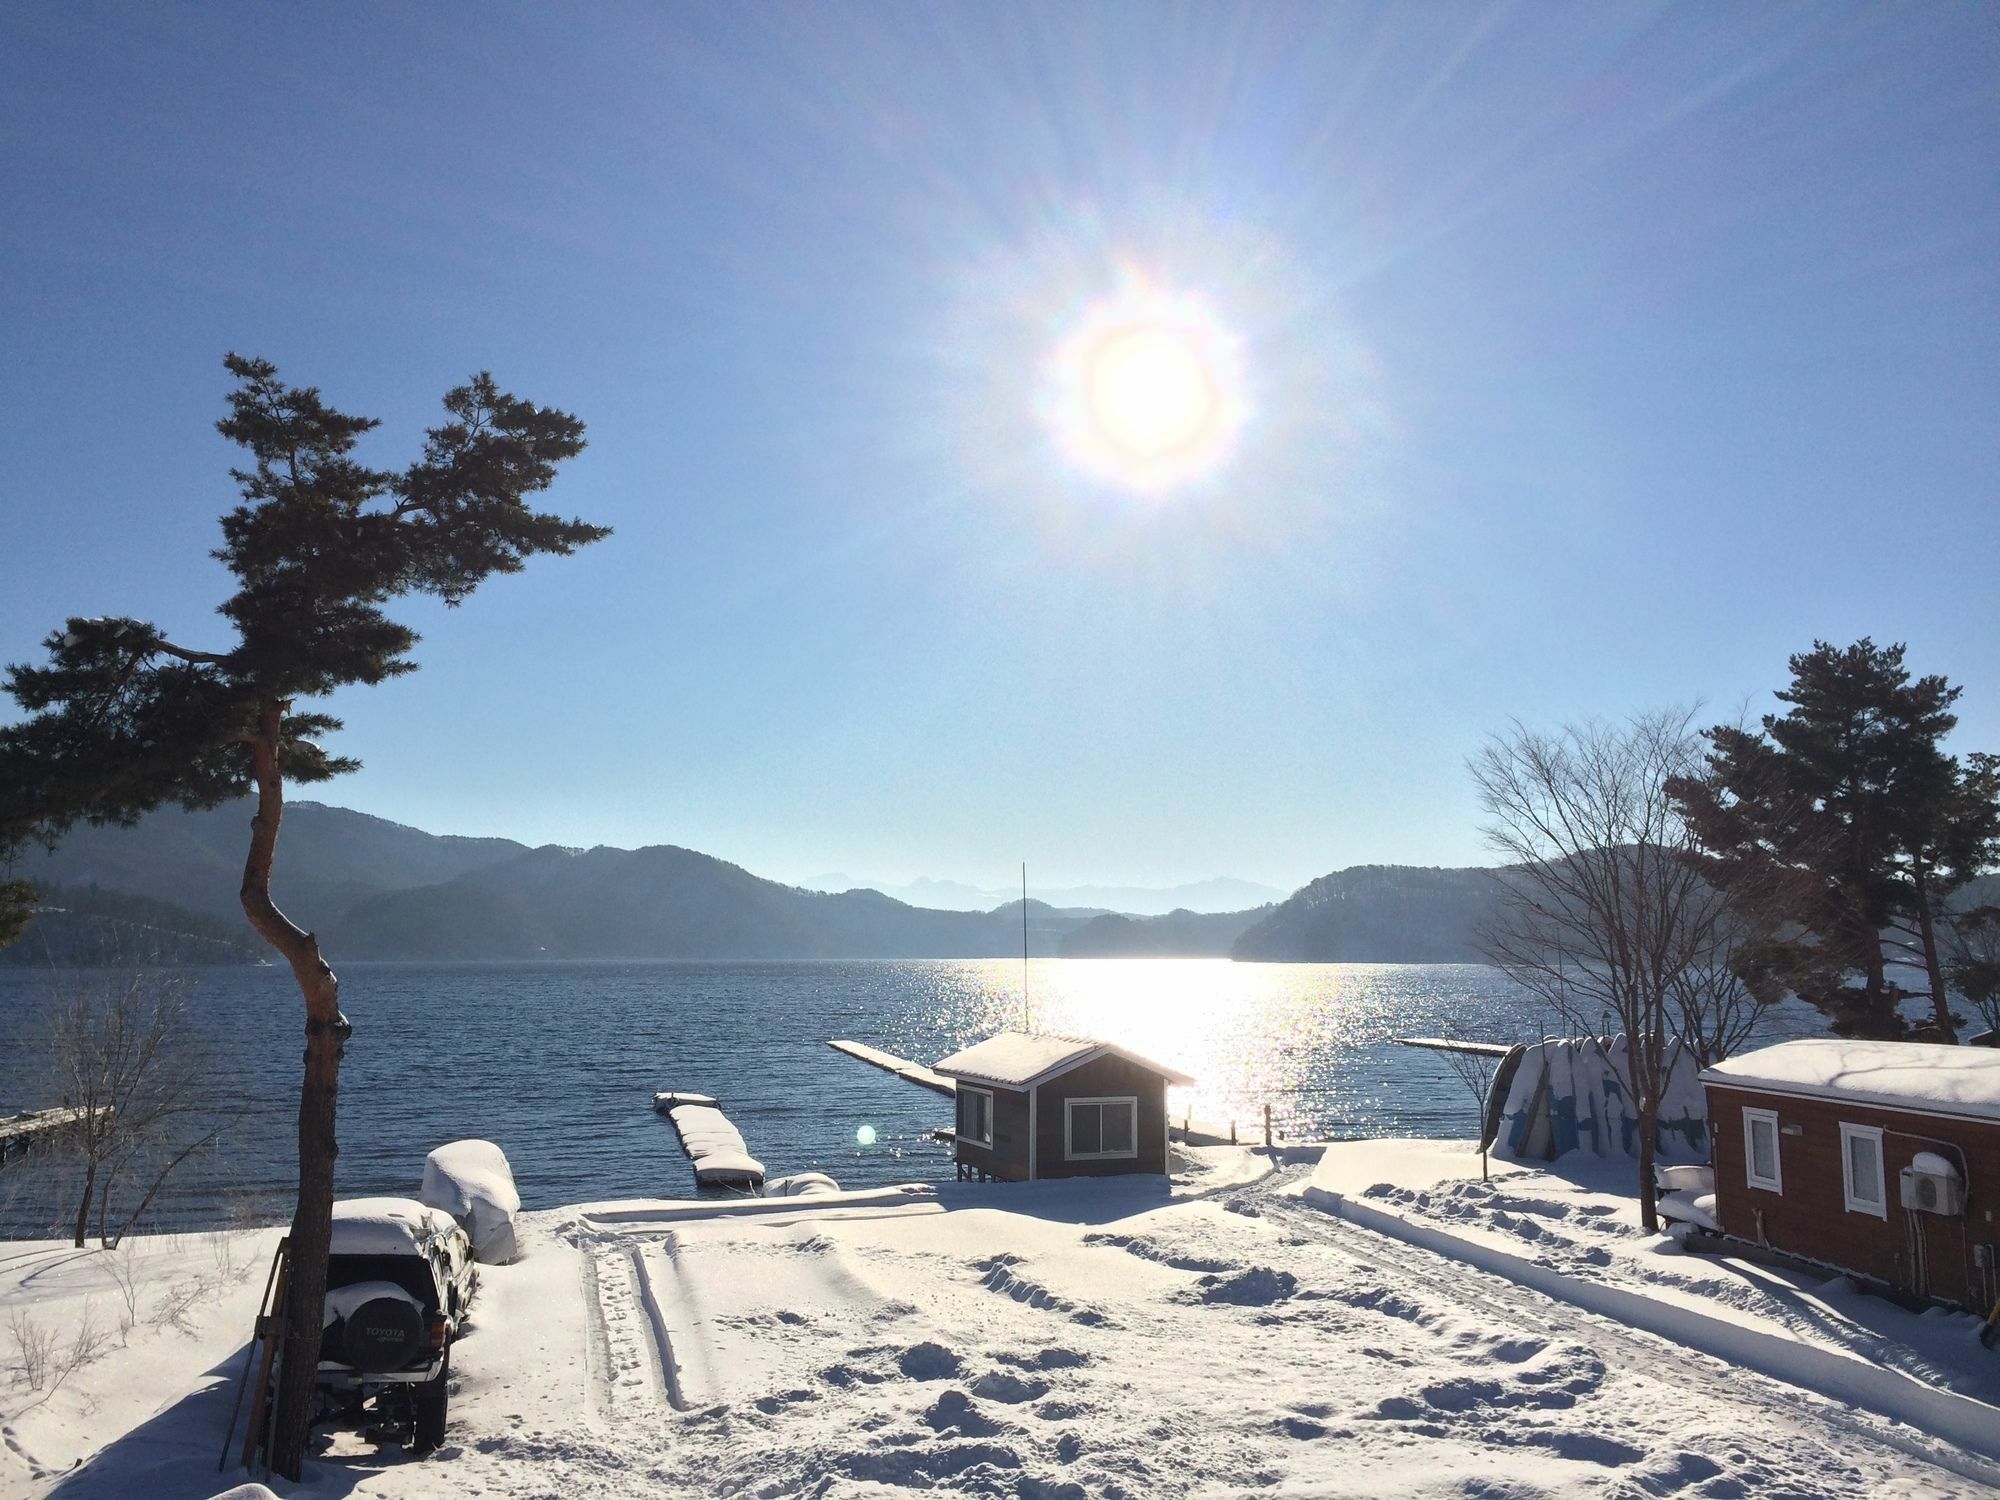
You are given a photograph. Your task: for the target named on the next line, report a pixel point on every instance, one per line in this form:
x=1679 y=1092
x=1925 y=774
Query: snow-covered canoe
x=471 y=1181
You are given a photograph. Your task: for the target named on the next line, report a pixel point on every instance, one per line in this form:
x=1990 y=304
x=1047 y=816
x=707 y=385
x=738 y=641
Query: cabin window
x=1099 y=1129
x=1861 y=1170
x=975 y=1115
x=1760 y=1149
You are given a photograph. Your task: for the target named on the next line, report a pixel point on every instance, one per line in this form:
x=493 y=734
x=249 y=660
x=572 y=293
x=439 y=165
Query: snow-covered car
x=399 y=1280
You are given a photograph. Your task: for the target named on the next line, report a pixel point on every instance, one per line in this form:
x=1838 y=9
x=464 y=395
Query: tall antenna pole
x=1027 y=1016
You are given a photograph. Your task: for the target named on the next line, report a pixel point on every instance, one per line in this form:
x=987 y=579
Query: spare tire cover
x=383 y=1333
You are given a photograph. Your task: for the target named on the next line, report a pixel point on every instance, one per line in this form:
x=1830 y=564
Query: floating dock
x=902 y=1067
x=31 y=1127
x=1453 y=1044
x=713 y=1144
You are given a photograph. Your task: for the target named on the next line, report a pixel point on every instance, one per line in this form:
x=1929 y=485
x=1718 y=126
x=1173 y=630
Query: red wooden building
x=1032 y=1107
x=1877 y=1158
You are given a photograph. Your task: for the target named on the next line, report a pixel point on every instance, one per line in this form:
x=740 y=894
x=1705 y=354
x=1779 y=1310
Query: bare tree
x=1604 y=908
x=1475 y=1071
x=1973 y=962
x=1710 y=1005
x=117 y=1050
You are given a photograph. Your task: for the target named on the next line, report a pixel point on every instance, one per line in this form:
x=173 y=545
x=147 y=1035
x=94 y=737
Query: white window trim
x=987 y=1139
x=1070 y=1153
x=1775 y=1183
x=1872 y=1134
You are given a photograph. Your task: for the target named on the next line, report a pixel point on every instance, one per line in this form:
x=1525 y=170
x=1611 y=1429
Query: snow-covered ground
x=1104 y=1338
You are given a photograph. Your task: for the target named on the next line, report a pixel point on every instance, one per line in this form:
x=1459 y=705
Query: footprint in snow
x=1010 y=1389
x=1259 y=1286
x=1047 y=1359
x=954 y=1412
x=928 y=1361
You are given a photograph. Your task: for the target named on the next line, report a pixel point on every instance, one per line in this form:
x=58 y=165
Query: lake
x=558 y=1062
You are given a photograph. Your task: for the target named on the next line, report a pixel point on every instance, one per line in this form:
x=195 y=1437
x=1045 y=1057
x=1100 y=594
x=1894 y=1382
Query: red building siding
x=1926 y=1254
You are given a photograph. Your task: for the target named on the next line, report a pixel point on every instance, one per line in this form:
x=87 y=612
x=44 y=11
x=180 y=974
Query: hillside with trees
x=1376 y=914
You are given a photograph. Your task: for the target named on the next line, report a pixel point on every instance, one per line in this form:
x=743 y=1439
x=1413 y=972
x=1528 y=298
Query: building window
x=1760 y=1149
x=1100 y=1129
x=1861 y=1170
x=975 y=1115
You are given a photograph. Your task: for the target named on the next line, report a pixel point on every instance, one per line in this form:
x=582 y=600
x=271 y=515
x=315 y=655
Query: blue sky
x=1596 y=357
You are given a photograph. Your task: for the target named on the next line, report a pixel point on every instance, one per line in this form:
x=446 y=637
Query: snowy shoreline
x=1124 y=1337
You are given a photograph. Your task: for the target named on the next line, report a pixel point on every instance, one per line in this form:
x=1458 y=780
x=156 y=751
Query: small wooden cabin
x=1881 y=1159
x=1032 y=1107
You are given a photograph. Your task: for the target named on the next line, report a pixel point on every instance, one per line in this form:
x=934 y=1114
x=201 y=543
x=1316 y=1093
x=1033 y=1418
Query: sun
x=1146 y=390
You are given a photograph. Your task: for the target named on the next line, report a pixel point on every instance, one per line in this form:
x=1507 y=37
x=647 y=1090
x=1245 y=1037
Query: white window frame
x=1070 y=1153
x=987 y=1139
x=1775 y=1183
x=1873 y=1135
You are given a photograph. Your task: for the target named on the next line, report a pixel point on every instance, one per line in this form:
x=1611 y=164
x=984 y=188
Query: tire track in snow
x=596 y=1340
x=1472 y=1290
x=634 y=1366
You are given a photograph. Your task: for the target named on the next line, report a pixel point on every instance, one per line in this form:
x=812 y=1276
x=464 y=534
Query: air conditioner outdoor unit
x=1933 y=1192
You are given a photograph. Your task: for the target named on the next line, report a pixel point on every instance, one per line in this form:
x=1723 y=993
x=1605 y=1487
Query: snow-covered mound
x=471 y=1181
x=1573 y=1095
x=801 y=1185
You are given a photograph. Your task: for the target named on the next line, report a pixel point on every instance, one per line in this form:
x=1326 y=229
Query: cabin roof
x=1927 y=1077
x=1017 y=1060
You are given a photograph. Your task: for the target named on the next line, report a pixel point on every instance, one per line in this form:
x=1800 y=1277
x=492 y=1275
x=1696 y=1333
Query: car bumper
x=340 y=1377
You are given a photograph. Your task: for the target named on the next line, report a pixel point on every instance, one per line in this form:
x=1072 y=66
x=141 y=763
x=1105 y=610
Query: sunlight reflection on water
x=1312 y=1040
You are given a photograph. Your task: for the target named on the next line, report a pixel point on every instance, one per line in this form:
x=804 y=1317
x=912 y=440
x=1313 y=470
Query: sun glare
x=1146 y=390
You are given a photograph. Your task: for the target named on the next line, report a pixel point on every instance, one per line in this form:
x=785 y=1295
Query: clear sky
x=1581 y=359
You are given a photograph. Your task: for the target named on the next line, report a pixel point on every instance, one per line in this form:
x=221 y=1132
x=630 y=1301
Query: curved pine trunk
x=326 y=1035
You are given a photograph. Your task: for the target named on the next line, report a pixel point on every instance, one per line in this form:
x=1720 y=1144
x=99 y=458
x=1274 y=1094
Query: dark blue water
x=558 y=1062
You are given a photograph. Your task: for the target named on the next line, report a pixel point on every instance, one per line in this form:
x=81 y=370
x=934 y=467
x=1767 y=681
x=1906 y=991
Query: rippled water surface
x=558 y=1062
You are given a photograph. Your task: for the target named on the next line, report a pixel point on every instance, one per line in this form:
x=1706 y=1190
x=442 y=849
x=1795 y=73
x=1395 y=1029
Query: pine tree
x=1849 y=826
x=122 y=720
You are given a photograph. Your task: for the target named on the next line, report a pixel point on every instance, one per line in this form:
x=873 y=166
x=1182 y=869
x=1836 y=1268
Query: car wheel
x=431 y=1399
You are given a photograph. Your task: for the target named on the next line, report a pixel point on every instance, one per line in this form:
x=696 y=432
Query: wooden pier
x=1454 y=1044
x=19 y=1133
x=902 y=1067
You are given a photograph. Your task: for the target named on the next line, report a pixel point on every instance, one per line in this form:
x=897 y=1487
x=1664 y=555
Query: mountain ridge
x=375 y=889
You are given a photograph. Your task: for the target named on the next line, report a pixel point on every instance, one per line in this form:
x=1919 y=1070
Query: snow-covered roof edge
x=1925 y=1078
x=1084 y=1050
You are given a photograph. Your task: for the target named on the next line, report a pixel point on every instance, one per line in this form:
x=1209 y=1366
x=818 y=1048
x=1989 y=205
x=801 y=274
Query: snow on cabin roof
x=1924 y=1076
x=1016 y=1060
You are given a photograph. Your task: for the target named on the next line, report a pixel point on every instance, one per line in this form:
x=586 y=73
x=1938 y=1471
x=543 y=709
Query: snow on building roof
x=1016 y=1060
x=1923 y=1076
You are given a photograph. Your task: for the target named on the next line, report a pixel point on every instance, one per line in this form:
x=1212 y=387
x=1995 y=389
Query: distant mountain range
x=373 y=889
x=1221 y=894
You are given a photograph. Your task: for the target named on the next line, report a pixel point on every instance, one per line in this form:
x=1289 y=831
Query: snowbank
x=1347 y=1167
